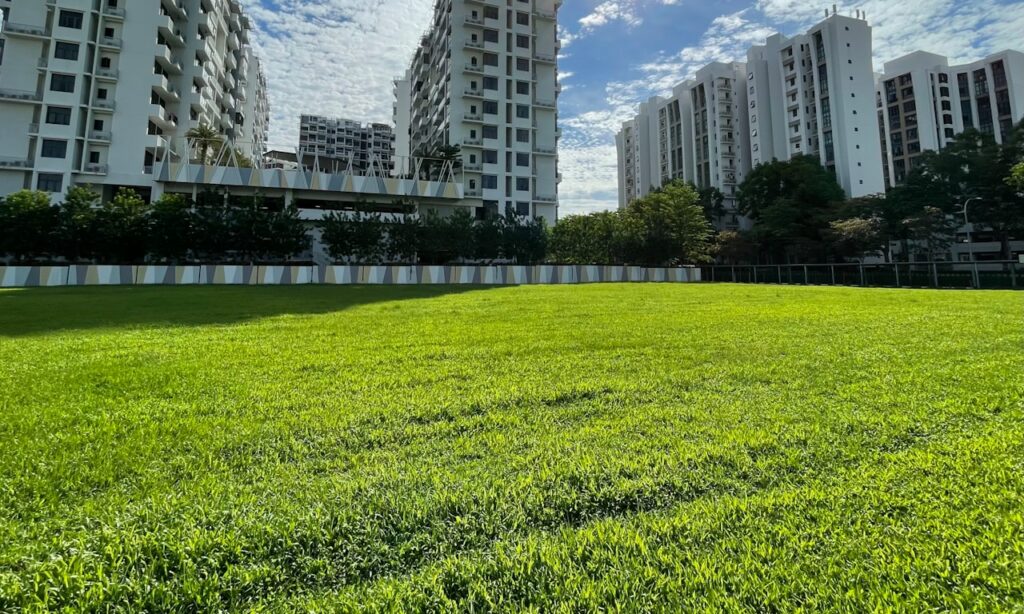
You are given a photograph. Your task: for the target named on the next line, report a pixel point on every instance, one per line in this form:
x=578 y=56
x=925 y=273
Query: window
x=50 y=182
x=54 y=149
x=523 y=184
x=491 y=12
x=490 y=182
x=522 y=208
x=523 y=19
x=490 y=107
x=522 y=159
x=522 y=41
x=523 y=111
x=62 y=83
x=523 y=64
x=523 y=87
x=522 y=135
x=490 y=156
x=70 y=19
x=490 y=132
x=490 y=83
x=65 y=51
x=60 y=116
x=491 y=36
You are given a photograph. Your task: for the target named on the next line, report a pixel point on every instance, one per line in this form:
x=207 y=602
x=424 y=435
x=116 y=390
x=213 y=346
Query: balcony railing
x=99 y=135
x=113 y=12
x=110 y=41
x=97 y=169
x=10 y=94
x=26 y=29
x=6 y=162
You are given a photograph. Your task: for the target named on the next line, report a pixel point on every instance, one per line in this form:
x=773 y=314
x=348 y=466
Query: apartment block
x=485 y=78
x=812 y=94
x=924 y=102
x=337 y=143
x=98 y=91
x=698 y=134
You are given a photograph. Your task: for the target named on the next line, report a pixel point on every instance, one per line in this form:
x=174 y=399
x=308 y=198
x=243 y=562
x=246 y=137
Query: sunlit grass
x=630 y=447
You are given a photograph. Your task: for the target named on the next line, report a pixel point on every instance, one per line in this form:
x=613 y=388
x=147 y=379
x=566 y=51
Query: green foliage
x=856 y=237
x=172 y=230
x=27 y=225
x=666 y=227
x=121 y=229
x=791 y=204
x=1016 y=178
x=597 y=448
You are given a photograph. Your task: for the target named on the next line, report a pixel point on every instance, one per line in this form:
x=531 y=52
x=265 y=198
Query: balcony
x=474 y=193
x=474 y=21
x=6 y=162
x=542 y=14
x=470 y=142
x=110 y=43
x=475 y=118
x=24 y=29
x=474 y=93
x=544 y=198
x=545 y=150
x=100 y=135
x=545 y=104
x=473 y=167
x=233 y=42
x=33 y=128
x=474 y=68
x=167 y=60
x=540 y=56
x=20 y=96
x=96 y=169
x=175 y=9
x=107 y=74
x=471 y=44
x=159 y=116
x=113 y=13
x=163 y=87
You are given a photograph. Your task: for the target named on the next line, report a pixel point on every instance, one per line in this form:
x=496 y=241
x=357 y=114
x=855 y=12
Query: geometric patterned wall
x=105 y=275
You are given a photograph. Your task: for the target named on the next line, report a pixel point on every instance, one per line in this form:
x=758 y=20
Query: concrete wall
x=124 y=275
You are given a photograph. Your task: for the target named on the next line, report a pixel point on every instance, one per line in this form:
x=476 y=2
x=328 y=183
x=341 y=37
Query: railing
x=24 y=28
x=6 y=162
x=992 y=275
x=96 y=169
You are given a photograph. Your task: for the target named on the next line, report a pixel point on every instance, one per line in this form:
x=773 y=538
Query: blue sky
x=338 y=57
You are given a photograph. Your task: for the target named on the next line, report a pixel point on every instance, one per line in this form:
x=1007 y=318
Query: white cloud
x=333 y=57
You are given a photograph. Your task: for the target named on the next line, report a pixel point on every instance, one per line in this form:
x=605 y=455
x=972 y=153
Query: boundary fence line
x=147 y=275
x=990 y=275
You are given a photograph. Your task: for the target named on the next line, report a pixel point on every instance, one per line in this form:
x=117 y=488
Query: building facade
x=812 y=95
x=98 y=91
x=924 y=102
x=485 y=78
x=806 y=95
x=340 y=142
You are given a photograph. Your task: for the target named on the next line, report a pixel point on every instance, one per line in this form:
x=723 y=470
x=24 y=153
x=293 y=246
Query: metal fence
x=989 y=275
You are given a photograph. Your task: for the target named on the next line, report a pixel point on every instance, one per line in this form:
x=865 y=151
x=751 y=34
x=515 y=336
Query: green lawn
x=617 y=447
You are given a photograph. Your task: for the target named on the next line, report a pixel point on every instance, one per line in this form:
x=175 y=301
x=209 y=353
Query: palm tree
x=206 y=138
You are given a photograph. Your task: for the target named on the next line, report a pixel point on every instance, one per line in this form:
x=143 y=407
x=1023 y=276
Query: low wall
x=124 y=275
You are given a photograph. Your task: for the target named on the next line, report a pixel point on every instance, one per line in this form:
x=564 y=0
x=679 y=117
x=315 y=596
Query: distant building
x=923 y=103
x=336 y=143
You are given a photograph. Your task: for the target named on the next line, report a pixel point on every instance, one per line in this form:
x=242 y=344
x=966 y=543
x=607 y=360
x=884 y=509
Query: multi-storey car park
x=485 y=78
x=343 y=143
x=100 y=91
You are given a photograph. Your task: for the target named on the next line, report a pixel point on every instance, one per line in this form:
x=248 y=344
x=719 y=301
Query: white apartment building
x=697 y=135
x=99 y=91
x=923 y=103
x=336 y=143
x=485 y=78
x=812 y=95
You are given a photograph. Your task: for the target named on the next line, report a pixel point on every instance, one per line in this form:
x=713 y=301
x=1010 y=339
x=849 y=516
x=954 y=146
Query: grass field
x=616 y=448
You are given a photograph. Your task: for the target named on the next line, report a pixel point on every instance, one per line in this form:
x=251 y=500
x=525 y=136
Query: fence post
x=780 y=274
x=935 y=275
x=807 y=278
x=977 y=278
x=896 y=266
x=734 y=274
x=1013 y=275
x=754 y=269
x=861 y=266
x=832 y=267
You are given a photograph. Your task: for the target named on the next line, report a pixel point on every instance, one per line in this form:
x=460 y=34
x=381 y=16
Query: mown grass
x=615 y=448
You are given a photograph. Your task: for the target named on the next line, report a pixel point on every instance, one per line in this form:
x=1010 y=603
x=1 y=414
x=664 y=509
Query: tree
x=448 y=154
x=712 y=201
x=336 y=234
x=487 y=239
x=667 y=227
x=287 y=235
x=791 y=204
x=172 y=229
x=523 y=241
x=27 y=224
x=856 y=237
x=206 y=140
x=933 y=228
x=733 y=247
x=403 y=237
x=76 y=224
x=121 y=229
x=1016 y=178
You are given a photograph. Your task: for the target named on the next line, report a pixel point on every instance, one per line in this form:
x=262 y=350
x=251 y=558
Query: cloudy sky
x=338 y=57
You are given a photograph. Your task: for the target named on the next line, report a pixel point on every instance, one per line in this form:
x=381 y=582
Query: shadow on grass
x=36 y=311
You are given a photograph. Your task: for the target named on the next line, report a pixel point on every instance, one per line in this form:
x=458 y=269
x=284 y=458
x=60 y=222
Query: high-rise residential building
x=98 y=91
x=337 y=143
x=924 y=102
x=485 y=78
x=812 y=94
x=698 y=134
